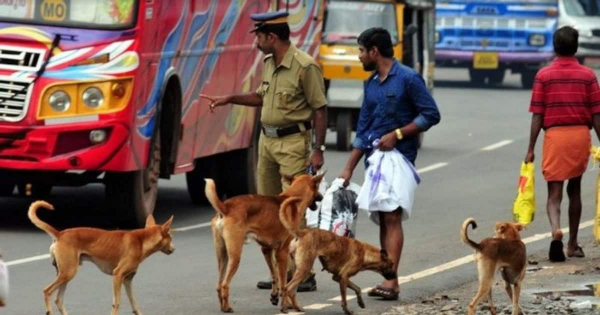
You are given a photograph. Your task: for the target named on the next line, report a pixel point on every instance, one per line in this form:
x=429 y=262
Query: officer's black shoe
x=309 y=285
x=265 y=285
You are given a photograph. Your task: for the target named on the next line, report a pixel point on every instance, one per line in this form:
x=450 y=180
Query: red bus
x=106 y=91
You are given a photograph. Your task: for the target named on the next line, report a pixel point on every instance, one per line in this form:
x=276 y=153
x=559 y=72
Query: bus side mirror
x=410 y=30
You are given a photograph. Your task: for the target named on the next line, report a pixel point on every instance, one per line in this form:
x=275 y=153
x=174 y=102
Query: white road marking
x=191 y=227
x=431 y=167
x=317 y=306
x=27 y=260
x=497 y=145
x=339 y=298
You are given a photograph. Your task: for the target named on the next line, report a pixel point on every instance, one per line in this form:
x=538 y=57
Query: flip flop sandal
x=576 y=253
x=386 y=294
x=556 y=253
x=373 y=290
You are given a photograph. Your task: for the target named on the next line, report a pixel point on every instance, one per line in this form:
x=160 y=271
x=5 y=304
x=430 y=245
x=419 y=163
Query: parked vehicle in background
x=490 y=37
x=583 y=15
x=412 y=27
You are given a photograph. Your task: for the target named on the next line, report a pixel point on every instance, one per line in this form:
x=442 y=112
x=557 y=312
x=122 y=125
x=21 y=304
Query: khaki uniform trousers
x=286 y=155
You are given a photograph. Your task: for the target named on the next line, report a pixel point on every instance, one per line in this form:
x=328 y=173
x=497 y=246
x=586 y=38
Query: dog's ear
x=384 y=254
x=520 y=226
x=287 y=178
x=318 y=178
x=150 y=221
x=167 y=225
x=500 y=227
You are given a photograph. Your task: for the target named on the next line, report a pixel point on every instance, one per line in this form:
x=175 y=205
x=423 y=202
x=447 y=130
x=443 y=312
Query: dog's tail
x=32 y=214
x=211 y=194
x=465 y=237
x=290 y=215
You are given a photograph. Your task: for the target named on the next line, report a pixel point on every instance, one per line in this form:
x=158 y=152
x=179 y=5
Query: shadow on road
x=87 y=206
x=467 y=85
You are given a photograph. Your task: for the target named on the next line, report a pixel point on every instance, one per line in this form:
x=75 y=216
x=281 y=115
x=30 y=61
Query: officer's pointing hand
x=215 y=100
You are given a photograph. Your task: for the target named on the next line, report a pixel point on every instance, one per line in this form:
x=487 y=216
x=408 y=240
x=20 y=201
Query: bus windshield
x=347 y=19
x=96 y=14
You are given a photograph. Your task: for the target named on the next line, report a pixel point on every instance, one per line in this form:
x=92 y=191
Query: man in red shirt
x=565 y=102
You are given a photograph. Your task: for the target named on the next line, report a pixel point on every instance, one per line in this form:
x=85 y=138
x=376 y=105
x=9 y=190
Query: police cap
x=262 y=20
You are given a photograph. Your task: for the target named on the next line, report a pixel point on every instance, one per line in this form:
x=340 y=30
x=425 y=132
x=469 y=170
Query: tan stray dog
x=506 y=251
x=116 y=253
x=257 y=217
x=342 y=256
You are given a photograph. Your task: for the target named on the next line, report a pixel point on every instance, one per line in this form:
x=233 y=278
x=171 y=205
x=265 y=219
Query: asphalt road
x=469 y=165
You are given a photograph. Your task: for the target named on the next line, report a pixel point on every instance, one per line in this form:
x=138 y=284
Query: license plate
x=485 y=60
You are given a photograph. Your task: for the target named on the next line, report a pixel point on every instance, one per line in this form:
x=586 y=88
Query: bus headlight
x=93 y=97
x=85 y=98
x=59 y=101
x=537 y=40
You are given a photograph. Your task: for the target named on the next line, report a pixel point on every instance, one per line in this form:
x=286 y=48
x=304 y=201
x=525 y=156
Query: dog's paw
x=361 y=303
x=275 y=300
x=227 y=309
x=283 y=310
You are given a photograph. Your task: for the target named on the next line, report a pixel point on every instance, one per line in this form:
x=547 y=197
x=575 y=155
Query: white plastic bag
x=312 y=216
x=390 y=183
x=3 y=282
x=338 y=210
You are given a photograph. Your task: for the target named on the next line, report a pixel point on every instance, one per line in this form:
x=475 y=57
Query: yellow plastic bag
x=596 y=156
x=524 y=206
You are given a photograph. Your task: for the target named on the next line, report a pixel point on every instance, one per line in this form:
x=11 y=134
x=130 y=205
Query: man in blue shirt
x=397 y=106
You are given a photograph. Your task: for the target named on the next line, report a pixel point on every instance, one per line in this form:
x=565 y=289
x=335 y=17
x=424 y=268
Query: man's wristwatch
x=321 y=147
x=399 y=135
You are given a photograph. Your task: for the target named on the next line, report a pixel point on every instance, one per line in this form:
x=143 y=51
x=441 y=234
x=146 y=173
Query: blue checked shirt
x=400 y=99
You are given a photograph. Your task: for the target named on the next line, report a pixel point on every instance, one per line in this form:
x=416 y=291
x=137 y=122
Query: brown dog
x=116 y=253
x=506 y=251
x=342 y=256
x=256 y=217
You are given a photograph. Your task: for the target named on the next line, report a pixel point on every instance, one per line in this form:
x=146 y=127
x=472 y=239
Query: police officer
x=291 y=94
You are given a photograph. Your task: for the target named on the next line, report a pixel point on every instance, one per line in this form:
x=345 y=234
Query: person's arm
x=353 y=160
x=537 y=108
x=594 y=102
x=427 y=109
x=358 y=144
x=320 y=123
x=537 y=121
x=249 y=99
x=313 y=86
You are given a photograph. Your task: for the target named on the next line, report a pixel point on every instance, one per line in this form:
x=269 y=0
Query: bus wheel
x=496 y=77
x=527 y=78
x=133 y=194
x=6 y=190
x=205 y=168
x=344 y=130
x=477 y=77
x=38 y=191
x=242 y=171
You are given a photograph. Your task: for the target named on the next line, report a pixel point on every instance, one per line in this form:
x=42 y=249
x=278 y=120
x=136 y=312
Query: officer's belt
x=277 y=132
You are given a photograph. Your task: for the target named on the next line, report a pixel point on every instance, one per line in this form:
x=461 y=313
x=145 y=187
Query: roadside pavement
x=571 y=287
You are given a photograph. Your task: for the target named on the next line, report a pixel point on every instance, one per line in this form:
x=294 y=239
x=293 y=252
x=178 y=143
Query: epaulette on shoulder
x=267 y=57
x=304 y=59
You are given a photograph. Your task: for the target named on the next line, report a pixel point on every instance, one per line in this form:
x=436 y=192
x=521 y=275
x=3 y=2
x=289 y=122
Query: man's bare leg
x=392 y=239
x=574 y=193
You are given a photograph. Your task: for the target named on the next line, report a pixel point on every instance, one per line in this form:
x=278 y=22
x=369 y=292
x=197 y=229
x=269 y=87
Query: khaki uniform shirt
x=292 y=90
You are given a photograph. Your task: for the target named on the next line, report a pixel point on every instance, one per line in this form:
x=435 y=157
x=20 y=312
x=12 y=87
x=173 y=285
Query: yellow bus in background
x=412 y=26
